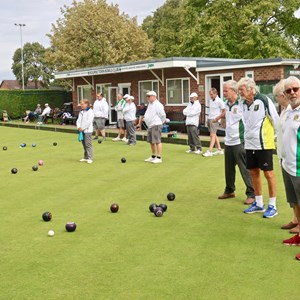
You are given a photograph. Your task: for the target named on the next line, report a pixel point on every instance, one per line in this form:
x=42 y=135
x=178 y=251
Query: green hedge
x=17 y=102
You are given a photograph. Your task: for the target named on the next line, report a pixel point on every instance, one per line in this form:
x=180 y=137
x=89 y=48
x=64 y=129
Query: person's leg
x=190 y=139
x=271 y=179
x=230 y=172
x=153 y=150
x=212 y=141
x=217 y=142
x=240 y=158
x=88 y=146
x=131 y=132
x=195 y=138
x=159 y=149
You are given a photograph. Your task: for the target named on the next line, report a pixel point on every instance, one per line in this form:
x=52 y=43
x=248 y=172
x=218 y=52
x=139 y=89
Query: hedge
x=16 y=102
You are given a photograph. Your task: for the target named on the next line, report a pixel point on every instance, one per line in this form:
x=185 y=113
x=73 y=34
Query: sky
x=38 y=16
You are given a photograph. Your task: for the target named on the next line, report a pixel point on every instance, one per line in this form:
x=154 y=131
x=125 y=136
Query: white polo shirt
x=282 y=119
x=215 y=107
x=234 y=134
x=260 y=119
x=291 y=142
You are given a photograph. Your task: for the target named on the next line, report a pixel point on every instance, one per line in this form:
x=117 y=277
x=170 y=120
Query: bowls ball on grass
x=47 y=216
x=99 y=141
x=54 y=143
x=4 y=148
x=171 y=196
x=163 y=206
x=14 y=170
x=33 y=145
x=50 y=233
x=35 y=168
x=114 y=208
x=152 y=206
x=123 y=160
x=71 y=226
x=40 y=162
x=158 y=211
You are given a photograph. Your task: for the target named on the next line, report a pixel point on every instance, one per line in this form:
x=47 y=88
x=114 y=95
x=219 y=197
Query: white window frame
x=124 y=85
x=249 y=74
x=184 y=102
x=152 y=81
x=80 y=97
x=100 y=86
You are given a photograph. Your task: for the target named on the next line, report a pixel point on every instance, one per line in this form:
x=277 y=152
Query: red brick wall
x=261 y=74
x=134 y=78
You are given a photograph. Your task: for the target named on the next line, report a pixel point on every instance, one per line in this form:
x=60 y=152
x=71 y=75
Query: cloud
x=38 y=16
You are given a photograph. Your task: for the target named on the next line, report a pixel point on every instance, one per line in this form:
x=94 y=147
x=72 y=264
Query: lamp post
x=22 y=58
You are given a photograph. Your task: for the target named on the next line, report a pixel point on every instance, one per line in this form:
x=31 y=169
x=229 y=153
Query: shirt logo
x=235 y=110
x=296 y=117
x=256 y=107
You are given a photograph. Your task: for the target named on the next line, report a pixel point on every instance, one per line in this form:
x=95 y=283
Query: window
x=267 y=89
x=103 y=88
x=145 y=87
x=178 y=91
x=84 y=92
x=249 y=74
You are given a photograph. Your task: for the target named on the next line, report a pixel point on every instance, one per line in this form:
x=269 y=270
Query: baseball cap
x=151 y=93
x=193 y=95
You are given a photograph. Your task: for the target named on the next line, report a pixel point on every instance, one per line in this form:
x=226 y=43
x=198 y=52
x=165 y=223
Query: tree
x=92 y=33
x=241 y=29
x=165 y=28
x=35 y=67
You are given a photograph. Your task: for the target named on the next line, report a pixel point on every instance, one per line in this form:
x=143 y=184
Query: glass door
x=112 y=101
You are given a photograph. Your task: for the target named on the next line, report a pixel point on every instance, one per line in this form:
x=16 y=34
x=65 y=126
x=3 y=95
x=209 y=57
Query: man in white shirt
x=216 y=113
x=290 y=152
x=100 y=108
x=192 y=113
x=45 y=113
x=154 y=118
x=283 y=102
x=129 y=112
x=235 y=153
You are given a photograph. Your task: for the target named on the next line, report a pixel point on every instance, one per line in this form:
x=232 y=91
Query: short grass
x=202 y=248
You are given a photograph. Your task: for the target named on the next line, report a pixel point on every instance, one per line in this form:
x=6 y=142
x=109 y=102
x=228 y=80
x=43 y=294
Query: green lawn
x=202 y=248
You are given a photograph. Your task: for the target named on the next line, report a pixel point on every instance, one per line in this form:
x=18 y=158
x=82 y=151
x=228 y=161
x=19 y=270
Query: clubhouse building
x=174 y=79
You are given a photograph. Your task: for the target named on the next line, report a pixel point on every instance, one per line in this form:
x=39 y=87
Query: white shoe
x=218 y=152
x=89 y=161
x=156 y=160
x=198 y=151
x=189 y=151
x=83 y=160
x=125 y=140
x=150 y=159
x=116 y=139
x=207 y=153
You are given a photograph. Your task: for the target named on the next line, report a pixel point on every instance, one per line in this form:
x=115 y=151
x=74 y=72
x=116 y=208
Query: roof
x=15 y=85
x=245 y=63
x=162 y=63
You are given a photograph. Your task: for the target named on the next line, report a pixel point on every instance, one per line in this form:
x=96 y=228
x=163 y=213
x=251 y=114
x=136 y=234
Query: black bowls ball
x=71 y=226
x=114 y=208
x=47 y=216
x=171 y=196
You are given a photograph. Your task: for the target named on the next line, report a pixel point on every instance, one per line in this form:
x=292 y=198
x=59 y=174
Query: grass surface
x=202 y=248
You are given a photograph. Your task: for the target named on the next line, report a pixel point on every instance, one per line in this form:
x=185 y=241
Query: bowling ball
x=47 y=216
x=71 y=226
x=114 y=207
x=171 y=196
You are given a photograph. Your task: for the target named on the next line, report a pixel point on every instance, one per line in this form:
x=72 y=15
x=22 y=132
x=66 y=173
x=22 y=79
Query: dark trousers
x=236 y=155
x=193 y=137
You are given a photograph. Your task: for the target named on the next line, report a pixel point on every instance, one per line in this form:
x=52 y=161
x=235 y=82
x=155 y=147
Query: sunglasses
x=294 y=89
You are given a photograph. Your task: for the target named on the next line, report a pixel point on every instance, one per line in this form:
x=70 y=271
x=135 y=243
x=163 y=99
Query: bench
x=177 y=121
